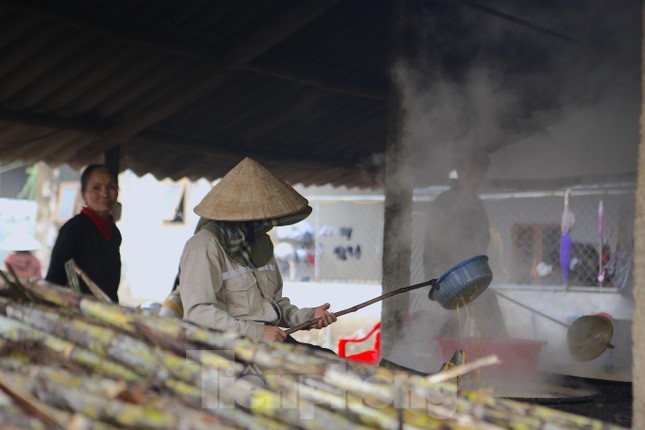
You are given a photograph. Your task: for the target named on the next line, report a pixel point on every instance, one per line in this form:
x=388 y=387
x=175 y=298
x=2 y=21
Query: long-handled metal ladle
x=587 y=337
x=457 y=287
x=354 y=308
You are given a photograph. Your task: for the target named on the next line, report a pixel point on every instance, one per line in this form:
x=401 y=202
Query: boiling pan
x=463 y=283
x=457 y=287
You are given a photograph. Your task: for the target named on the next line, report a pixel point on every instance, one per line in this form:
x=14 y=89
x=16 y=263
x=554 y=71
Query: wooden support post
x=638 y=324
x=112 y=158
x=190 y=145
x=397 y=237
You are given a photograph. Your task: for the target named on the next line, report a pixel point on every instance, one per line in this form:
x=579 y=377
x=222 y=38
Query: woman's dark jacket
x=81 y=240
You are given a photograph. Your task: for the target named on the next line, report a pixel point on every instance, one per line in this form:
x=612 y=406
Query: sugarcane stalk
x=266 y=357
x=72 y=276
x=15 y=331
x=357 y=413
x=99 y=398
x=52 y=293
x=193 y=418
x=18 y=358
x=106 y=333
x=236 y=395
x=457 y=371
x=68 y=393
x=418 y=392
x=162 y=332
x=9 y=288
x=248 y=421
x=98 y=339
x=15 y=418
x=167 y=328
x=92 y=396
x=176 y=335
x=293 y=359
x=389 y=412
x=286 y=409
x=111 y=392
x=126 y=349
x=188 y=371
x=138 y=324
x=513 y=414
x=91 y=285
x=161 y=339
x=30 y=404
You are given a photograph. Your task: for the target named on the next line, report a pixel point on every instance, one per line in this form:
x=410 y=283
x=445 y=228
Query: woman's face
x=101 y=192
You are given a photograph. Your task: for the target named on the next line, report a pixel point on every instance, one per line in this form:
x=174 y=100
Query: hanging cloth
x=566 y=244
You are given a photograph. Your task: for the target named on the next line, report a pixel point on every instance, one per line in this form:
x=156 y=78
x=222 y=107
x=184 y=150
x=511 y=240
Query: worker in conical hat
x=229 y=279
x=21 y=260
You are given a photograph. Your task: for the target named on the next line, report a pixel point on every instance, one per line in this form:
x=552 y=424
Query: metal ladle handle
x=522 y=305
x=354 y=308
x=607 y=344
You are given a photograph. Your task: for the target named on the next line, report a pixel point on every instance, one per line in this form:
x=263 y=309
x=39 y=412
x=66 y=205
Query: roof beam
x=51 y=122
x=67 y=13
x=186 y=144
x=518 y=21
x=202 y=148
x=69 y=16
x=352 y=89
x=257 y=43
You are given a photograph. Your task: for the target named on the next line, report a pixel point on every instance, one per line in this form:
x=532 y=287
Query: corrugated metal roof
x=189 y=88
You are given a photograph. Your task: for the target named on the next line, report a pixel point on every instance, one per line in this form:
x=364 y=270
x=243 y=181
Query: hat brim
x=249 y=192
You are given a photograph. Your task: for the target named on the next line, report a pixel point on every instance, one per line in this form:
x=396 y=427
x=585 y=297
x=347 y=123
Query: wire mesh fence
x=343 y=239
x=530 y=244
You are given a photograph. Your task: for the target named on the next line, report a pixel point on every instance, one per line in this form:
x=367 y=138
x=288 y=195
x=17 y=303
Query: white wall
x=151 y=248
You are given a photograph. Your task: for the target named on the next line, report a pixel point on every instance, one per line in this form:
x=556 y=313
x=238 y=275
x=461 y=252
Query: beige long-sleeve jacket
x=220 y=293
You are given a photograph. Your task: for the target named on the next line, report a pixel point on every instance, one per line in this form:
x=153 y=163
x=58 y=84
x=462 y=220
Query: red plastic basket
x=517 y=356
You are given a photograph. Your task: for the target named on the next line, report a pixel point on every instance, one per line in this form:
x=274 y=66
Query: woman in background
x=91 y=238
x=21 y=260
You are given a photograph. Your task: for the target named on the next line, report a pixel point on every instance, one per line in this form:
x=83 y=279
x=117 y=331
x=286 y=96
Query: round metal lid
x=589 y=336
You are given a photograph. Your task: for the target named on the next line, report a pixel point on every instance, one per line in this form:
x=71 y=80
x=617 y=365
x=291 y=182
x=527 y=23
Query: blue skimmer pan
x=463 y=283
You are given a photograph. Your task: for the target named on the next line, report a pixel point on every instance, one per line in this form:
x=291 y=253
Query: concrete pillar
x=638 y=328
x=397 y=237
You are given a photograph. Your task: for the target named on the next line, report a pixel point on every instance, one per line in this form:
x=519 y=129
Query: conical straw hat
x=20 y=240
x=250 y=192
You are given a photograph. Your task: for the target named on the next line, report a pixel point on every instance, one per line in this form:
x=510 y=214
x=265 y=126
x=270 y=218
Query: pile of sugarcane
x=69 y=361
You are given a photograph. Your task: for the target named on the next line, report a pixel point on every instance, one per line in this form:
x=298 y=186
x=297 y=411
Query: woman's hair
x=85 y=176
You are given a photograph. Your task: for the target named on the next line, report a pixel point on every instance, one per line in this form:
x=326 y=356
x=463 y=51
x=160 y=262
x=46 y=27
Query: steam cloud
x=471 y=81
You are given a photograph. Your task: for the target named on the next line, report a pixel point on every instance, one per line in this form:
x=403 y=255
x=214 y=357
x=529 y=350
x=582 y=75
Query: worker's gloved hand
x=272 y=332
x=325 y=316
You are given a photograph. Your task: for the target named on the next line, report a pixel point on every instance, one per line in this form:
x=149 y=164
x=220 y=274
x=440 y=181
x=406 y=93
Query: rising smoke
x=472 y=81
